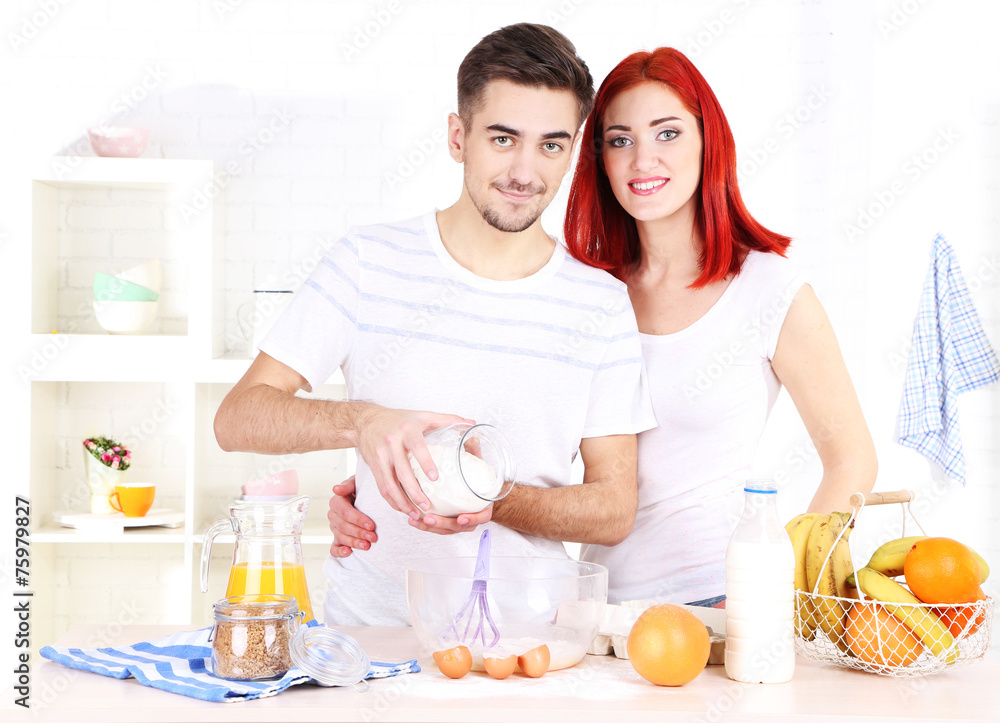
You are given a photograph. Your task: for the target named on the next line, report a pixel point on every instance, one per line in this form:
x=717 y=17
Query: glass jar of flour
x=475 y=466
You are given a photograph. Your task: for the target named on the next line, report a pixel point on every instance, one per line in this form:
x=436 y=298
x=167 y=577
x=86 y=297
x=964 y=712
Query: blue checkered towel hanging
x=949 y=354
x=179 y=663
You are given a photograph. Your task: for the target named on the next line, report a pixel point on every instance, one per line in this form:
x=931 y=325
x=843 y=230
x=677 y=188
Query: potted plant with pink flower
x=105 y=462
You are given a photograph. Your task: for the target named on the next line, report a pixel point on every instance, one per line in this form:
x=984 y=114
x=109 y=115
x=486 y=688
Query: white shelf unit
x=179 y=231
x=158 y=390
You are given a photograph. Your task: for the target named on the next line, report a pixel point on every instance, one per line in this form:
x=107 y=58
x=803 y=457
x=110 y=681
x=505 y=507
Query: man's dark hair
x=525 y=54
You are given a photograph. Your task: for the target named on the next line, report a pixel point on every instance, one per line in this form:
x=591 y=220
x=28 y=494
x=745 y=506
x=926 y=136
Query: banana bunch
x=822 y=564
x=889 y=558
x=798 y=529
x=905 y=607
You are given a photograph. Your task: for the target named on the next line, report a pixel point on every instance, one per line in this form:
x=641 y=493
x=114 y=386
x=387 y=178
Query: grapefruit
x=668 y=645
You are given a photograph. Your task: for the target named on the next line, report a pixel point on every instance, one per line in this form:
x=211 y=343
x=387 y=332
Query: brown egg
x=535 y=663
x=454 y=662
x=500 y=668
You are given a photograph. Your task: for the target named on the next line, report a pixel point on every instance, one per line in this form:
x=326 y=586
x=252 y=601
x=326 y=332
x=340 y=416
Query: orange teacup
x=133 y=500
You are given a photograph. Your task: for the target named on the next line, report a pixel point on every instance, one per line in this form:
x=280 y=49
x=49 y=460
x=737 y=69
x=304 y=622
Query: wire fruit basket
x=899 y=639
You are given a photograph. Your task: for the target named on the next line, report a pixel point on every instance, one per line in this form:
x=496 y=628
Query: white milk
x=760 y=595
x=449 y=494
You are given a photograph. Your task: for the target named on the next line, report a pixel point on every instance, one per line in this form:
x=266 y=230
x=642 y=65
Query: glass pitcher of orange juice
x=268 y=554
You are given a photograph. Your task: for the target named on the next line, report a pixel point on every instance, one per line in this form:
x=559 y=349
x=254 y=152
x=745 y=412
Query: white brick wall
x=97 y=582
x=359 y=112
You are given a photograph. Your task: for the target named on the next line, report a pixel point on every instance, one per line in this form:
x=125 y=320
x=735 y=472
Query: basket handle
x=859 y=499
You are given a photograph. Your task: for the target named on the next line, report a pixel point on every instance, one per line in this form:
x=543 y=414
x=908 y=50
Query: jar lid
x=330 y=657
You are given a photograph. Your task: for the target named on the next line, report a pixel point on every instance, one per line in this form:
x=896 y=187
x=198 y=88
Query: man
x=475 y=311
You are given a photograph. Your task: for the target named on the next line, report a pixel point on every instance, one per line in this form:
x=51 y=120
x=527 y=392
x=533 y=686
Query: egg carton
x=612 y=637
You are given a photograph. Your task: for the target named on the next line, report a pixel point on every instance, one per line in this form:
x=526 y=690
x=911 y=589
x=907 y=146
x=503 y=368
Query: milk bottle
x=760 y=592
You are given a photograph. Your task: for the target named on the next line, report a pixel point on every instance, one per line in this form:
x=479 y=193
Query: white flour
x=449 y=494
x=593 y=678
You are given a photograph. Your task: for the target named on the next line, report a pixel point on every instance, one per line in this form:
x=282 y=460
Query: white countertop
x=600 y=688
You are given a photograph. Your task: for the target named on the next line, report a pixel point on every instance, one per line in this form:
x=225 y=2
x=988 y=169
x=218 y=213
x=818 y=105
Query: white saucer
x=156 y=517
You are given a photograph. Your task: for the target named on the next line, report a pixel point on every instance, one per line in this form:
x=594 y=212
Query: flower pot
x=102 y=480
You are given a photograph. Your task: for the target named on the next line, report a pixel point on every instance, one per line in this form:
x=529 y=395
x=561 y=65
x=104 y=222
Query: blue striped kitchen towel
x=949 y=354
x=179 y=663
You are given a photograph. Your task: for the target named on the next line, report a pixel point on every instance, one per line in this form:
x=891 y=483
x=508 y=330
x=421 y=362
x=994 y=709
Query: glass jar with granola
x=252 y=636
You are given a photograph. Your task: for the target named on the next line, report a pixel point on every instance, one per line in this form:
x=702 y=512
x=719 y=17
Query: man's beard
x=498 y=222
x=505 y=224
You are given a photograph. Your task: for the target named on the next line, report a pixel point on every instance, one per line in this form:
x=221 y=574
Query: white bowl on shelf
x=148 y=274
x=125 y=317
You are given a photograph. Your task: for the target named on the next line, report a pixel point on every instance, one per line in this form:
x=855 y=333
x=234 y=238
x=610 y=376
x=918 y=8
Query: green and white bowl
x=114 y=288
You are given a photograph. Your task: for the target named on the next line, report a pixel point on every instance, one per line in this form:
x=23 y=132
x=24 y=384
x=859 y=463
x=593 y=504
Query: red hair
x=597 y=229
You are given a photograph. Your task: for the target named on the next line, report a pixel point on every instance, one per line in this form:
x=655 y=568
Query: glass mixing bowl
x=532 y=600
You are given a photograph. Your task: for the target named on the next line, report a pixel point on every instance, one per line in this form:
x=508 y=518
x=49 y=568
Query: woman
x=725 y=320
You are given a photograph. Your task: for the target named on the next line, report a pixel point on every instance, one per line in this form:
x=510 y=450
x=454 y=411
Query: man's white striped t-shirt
x=548 y=359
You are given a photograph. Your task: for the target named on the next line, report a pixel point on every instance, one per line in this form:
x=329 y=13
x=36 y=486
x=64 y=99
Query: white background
x=863 y=129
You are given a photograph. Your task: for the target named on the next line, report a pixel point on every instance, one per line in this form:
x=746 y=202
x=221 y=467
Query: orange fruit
x=942 y=570
x=668 y=645
x=955 y=619
x=875 y=636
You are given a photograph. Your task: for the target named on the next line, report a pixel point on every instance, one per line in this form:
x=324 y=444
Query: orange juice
x=246 y=579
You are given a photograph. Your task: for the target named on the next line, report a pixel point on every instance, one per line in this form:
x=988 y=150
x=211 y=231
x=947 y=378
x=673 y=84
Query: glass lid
x=330 y=657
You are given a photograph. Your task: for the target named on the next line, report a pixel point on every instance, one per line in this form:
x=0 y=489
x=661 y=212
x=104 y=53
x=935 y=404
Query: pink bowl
x=285 y=482
x=118 y=142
